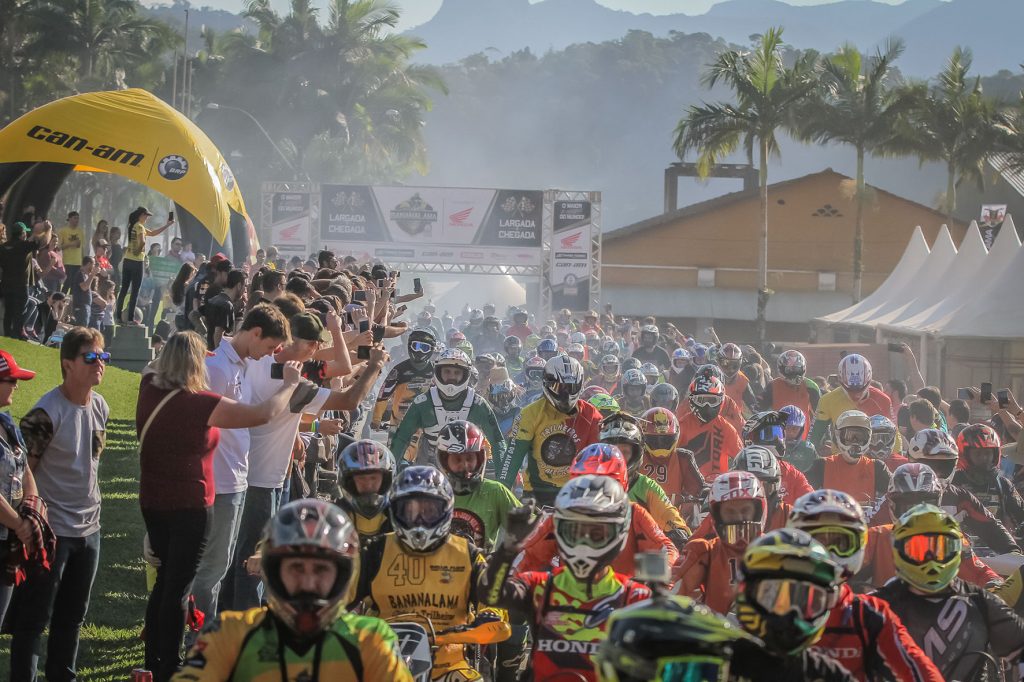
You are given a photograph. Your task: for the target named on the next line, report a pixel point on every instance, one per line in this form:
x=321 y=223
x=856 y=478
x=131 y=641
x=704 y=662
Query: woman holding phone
x=134 y=258
x=178 y=422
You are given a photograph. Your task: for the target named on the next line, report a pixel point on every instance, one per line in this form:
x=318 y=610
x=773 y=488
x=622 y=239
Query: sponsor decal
x=562 y=646
x=460 y=218
x=415 y=216
x=227 y=176
x=172 y=167
x=79 y=144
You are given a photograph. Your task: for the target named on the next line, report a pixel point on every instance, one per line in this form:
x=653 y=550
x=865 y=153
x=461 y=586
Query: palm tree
x=955 y=123
x=858 y=105
x=767 y=96
x=99 y=36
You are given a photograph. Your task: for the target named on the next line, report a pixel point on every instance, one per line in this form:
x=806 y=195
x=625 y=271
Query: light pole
x=216 y=107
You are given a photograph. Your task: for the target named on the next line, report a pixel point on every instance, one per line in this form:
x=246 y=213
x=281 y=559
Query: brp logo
x=227 y=176
x=172 y=167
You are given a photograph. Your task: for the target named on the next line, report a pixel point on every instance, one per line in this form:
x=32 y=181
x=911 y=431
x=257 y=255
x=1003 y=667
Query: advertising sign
x=571 y=255
x=163 y=269
x=992 y=217
x=433 y=224
x=290 y=223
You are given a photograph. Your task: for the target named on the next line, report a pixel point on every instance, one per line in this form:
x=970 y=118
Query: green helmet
x=670 y=638
x=926 y=547
x=789 y=585
x=604 y=403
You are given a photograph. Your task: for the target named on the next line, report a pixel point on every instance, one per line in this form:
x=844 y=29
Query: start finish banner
x=433 y=224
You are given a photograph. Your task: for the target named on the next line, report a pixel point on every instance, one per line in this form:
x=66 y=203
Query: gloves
x=520 y=524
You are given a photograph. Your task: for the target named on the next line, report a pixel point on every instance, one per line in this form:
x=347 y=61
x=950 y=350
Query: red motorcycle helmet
x=601 y=459
x=975 y=438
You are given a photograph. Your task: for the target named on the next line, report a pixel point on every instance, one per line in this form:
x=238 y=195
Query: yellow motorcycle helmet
x=926 y=548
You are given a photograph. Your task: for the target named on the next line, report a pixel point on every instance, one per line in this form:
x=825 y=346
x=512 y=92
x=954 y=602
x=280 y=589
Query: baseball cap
x=143 y=210
x=9 y=368
x=307 y=327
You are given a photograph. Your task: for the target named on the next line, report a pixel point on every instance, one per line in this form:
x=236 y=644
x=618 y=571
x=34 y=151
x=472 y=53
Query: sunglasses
x=91 y=357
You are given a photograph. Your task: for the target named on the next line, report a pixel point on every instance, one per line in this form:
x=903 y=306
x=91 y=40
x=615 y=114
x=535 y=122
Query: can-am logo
x=78 y=144
x=172 y=167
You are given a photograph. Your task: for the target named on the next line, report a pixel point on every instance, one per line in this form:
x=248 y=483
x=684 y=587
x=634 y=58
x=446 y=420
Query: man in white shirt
x=263 y=329
x=270 y=445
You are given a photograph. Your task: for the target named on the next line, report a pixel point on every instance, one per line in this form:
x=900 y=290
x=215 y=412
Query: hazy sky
x=416 y=12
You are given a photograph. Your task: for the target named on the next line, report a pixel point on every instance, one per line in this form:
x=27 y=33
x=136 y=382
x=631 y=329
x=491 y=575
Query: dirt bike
x=418 y=639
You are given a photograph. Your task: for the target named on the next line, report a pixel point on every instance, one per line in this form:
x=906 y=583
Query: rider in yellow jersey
x=310 y=555
x=422 y=570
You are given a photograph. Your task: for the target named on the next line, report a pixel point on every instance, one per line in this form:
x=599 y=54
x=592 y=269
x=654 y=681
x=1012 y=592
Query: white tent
x=969 y=262
x=970 y=284
x=997 y=311
x=916 y=253
x=920 y=284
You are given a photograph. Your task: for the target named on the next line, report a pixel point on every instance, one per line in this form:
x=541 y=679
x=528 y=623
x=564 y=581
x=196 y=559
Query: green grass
x=110 y=645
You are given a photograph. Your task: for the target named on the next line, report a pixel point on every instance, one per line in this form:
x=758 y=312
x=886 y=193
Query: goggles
x=417 y=510
x=680 y=363
x=920 y=549
x=782 y=596
x=839 y=540
x=90 y=358
x=535 y=373
x=691 y=669
x=705 y=400
x=855 y=435
x=883 y=441
x=769 y=434
x=610 y=369
x=420 y=347
x=730 y=365
x=564 y=390
x=593 y=534
x=736 y=533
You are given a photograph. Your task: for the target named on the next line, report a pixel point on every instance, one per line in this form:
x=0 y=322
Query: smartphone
x=652 y=567
x=416 y=286
x=277 y=370
x=170 y=215
x=359 y=296
x=364 y=326
x=381 y=283
x=1003 y=397
x=378 y=333
x=363 y=353
x=964 y=394
x=895 y=347
x=986 y=392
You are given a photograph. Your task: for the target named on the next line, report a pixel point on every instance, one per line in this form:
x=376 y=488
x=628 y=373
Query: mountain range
x=931 y=28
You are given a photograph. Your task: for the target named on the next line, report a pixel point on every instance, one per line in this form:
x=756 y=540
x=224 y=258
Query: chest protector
x=444 y=416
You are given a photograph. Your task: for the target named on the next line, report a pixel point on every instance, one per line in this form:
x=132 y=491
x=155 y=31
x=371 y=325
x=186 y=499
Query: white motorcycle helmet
x=451 y=388
x=591 y=521
x=851 y=435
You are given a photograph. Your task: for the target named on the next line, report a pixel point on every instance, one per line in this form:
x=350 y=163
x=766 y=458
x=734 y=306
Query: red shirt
x=176 y=460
